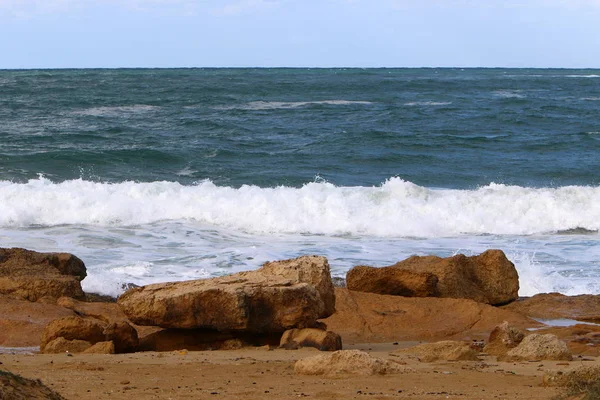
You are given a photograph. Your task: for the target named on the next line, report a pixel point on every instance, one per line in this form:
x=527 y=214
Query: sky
x=299 y=33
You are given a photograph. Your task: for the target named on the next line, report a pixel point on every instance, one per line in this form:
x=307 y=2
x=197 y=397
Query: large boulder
x=369 y=318
x=351 y=362
x=487 y=278
x=539 y=347
x=34 y=276
x=278 y=296
x=446 y=350
x=576 y=378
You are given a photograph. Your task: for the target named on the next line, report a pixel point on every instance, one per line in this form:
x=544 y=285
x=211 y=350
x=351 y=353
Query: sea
x=154 y=175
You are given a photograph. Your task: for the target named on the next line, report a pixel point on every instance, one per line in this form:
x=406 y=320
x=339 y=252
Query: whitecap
x=275 y=105
x=428 y=103
x=117 y=111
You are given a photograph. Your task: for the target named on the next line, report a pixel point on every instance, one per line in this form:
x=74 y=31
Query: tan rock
x=487 y=278
x=575 y=378
x=73 y=328
x=308 y=269
x=311 y=337
x=502 y=339
x=62 y=345
x=101 y=348
x=34 y=276
x=15 y=387
x=447 y=350
x=393 y=281
x=367 y=317
x=342 y=362
x=255 y=301
x=539 y=347
x=123 y=336
x=585 y=307
x=106 y=312
x=22 y=322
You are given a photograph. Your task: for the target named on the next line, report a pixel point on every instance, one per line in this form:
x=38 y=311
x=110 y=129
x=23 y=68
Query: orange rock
x=539 y=347
x=34 y=276
x=22 y=322
x=367 y=317
x=351 y=362
x=584 y=307
x=393 y=281
x=277 y=297
x=73 y=328
x=503 y=338
x=487 y=278
x=311 y=337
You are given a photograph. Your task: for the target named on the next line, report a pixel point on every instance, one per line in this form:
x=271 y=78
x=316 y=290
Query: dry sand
x=259 y=373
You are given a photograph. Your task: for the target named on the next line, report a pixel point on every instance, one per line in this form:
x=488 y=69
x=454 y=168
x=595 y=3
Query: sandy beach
x=261 y=374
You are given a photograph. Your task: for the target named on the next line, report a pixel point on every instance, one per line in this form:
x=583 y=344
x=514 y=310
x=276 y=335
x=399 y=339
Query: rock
x=22 y=322
x=123 y=336
x=447 y=350
x=575 y=378
x=101 y=348
x=313 y=270
x=393 y=281
x=310 y=337
x=73 y=328
x=62 y=345
x=371 y=318
x=352 y=362
x=503 y=338
x=272 y=299
x=585 y=307
x=487 y=278
x=106 y=312
x=15 y=387
x=539 y=347
x=34 y=276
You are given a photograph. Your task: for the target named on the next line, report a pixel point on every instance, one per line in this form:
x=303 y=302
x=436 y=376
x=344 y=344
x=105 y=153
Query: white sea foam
x=117 y=111
x=583 y=76
x=509 y=94
x=164 y=231
x=396 y=208
x=428 y=103
x=275 y=105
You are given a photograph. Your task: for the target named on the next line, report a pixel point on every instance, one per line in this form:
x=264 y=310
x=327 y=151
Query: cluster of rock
x=288 y=303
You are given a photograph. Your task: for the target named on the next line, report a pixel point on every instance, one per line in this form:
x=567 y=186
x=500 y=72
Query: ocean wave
x=509 y=94
x=583 y=76
x=397 y=208
x=428 y=103
x=116 y=111
x=276 y=105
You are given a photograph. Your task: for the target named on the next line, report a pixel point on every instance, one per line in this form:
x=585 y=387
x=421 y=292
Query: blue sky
x=299 y=33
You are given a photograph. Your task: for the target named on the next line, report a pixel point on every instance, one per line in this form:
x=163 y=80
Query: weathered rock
x=575 y=378
x=271 y=299
x=393 y=281
x=62 y=345
x=15 y=387
x=447 y=350
x=310 y=337
x=539 y=347
x=73 y=328
x=313 y=270
x=585 y=307
x=502 y=339
x=101 y=348
x=34 y=276
x=352 y=362
x=122 y=335
x=487 y=278
x=369 y=318
x=22 y=322
x=106 y=312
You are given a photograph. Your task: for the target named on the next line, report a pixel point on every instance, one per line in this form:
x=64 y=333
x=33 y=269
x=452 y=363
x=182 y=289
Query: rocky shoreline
x=462 y=313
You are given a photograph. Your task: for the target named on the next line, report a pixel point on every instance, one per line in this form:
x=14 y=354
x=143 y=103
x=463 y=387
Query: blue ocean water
x=167 y=174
